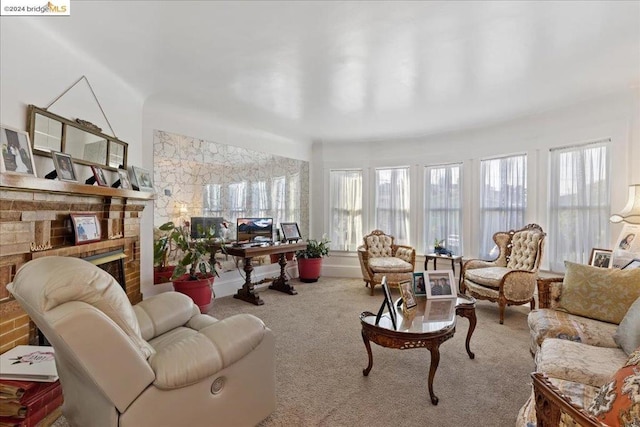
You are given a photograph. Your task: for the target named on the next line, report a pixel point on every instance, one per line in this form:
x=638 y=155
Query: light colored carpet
x=320 y=356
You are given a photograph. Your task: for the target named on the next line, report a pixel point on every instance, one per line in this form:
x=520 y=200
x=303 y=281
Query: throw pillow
x=627 y=335
x=599 y=293
x=618 y=402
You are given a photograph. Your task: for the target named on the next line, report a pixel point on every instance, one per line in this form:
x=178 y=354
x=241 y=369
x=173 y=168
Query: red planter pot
x=200 y=291
x=162 y=274
x=309 y=269
x=275 y=258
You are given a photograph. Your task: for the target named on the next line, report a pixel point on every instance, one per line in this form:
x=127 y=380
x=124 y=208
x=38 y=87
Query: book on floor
x=28 y=362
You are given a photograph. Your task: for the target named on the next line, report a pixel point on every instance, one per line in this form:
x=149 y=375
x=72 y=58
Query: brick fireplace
x=36 y=211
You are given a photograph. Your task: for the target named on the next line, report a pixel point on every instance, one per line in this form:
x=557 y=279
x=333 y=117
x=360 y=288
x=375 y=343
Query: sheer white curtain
x=503 y=198
x=443 y=207
x=392 y=203
x=579 y=203
x=212 y=200
x=293 y=205
x=278 y=200
x=237 y=200
x=259 y=199
x=345 y=221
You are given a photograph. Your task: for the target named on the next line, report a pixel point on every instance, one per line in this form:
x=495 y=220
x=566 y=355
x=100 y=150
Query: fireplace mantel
x=36 y=211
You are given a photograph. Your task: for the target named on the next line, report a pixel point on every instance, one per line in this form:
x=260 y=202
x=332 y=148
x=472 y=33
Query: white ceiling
x=345 y=71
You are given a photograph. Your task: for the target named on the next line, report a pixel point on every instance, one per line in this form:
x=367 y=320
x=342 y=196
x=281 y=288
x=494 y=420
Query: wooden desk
x=247 y=292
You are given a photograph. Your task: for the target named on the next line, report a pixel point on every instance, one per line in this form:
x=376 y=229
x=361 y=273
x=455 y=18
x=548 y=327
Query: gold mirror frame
x=116 y=150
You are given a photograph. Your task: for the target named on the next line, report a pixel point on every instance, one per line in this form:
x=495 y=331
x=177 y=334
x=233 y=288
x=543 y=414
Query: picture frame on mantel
x=64 y=166
x=141 y=179
x=17 y=157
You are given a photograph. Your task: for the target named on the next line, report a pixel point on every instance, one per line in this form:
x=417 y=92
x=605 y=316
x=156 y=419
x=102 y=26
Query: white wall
x=614 y=117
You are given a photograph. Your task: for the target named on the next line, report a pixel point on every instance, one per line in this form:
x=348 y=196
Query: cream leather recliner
x=158 y=363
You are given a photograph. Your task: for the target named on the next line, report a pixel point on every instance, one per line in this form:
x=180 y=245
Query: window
x=237 y=200
x=443 y=207
x=278 y=200
x=293 y=208
x=259 y=199
x=212 y=200
x=392 y=203
x=578 y=203
x=503 y=199
x=345 y=206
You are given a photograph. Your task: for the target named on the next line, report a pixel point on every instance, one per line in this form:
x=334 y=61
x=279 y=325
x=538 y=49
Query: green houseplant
x=310 y=259
x=162 y=250
x=196 y=269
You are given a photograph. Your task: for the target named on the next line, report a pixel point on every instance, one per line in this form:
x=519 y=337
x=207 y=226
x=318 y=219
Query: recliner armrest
x=201 y=355
x=163 y=312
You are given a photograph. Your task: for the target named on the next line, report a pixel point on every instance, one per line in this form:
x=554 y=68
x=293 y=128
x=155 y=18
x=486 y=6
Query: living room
x=584 y=90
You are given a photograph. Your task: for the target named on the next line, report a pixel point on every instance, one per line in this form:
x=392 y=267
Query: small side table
x=453 y=258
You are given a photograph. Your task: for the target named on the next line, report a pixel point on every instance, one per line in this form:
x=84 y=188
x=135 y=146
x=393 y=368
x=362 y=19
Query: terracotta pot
x=200 y=290
x=309 y=269
x=162 y=274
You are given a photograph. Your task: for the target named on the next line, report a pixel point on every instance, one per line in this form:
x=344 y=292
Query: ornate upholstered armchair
x=379 y=257
x=511 y=278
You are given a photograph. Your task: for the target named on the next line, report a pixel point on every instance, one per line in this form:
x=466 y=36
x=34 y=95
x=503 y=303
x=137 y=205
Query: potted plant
x=196 y=270
x=162 y=248
x=310 y=259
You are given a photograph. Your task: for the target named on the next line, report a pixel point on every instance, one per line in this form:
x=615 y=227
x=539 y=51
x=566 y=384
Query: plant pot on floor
x=200 y=290
x=275 y=258
x=309 y=269
x=162 y=274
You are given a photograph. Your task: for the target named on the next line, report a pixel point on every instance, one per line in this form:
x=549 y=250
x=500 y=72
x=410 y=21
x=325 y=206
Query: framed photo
x=419 y=288
x=86 y=228
x=17 y=157
x=634 y=263
x=141 y=178
x=123 y=176
x=388 y=304
x=98 y=174
x=408 y=298
x=64 y=166
x=440 y=284
x=600 y=258
x=290 y=231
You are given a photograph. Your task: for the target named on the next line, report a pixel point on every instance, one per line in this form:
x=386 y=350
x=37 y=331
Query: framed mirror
x=83 y=141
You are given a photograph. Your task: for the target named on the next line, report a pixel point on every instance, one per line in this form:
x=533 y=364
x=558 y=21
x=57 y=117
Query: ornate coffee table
x=430 y=324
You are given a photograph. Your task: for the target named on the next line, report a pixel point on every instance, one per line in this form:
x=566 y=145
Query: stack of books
x=28 y=403
x=30 y=393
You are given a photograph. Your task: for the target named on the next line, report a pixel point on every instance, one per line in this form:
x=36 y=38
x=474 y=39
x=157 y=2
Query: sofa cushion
x=618 y=401
x=546 y=323
x=490 y=276
x=389 y=264
x=582 y=363
x=627 y=335
x=599 y=293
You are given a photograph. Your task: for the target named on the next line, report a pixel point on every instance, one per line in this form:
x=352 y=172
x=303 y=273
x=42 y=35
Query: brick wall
x=39 y=217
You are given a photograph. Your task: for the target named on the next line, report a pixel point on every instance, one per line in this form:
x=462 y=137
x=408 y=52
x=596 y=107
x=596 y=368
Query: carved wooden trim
x=551 y=403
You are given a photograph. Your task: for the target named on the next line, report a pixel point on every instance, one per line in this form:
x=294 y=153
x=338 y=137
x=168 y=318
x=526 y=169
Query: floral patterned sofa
x=586 y=342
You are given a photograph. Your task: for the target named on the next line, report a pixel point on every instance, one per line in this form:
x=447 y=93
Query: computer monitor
x=258 y=230
x=201 y=224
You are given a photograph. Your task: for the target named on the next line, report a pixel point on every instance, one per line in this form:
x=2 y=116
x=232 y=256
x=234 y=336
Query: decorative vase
x=200 y=290
x=162 y=274
x=309 y=269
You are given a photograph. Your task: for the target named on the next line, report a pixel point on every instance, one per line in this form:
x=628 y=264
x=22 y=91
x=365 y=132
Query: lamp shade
x=631 y=212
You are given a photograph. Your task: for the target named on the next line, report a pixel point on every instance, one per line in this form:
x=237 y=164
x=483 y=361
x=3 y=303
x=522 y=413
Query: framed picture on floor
x=17 y=157
x=600 y=258
x=440 y=284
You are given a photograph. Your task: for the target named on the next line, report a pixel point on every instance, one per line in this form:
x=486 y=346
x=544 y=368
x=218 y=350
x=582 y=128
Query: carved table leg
x=281 y=283
x=469 y=313
x=435 y=360
x=247 y=291
x=367 y=344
